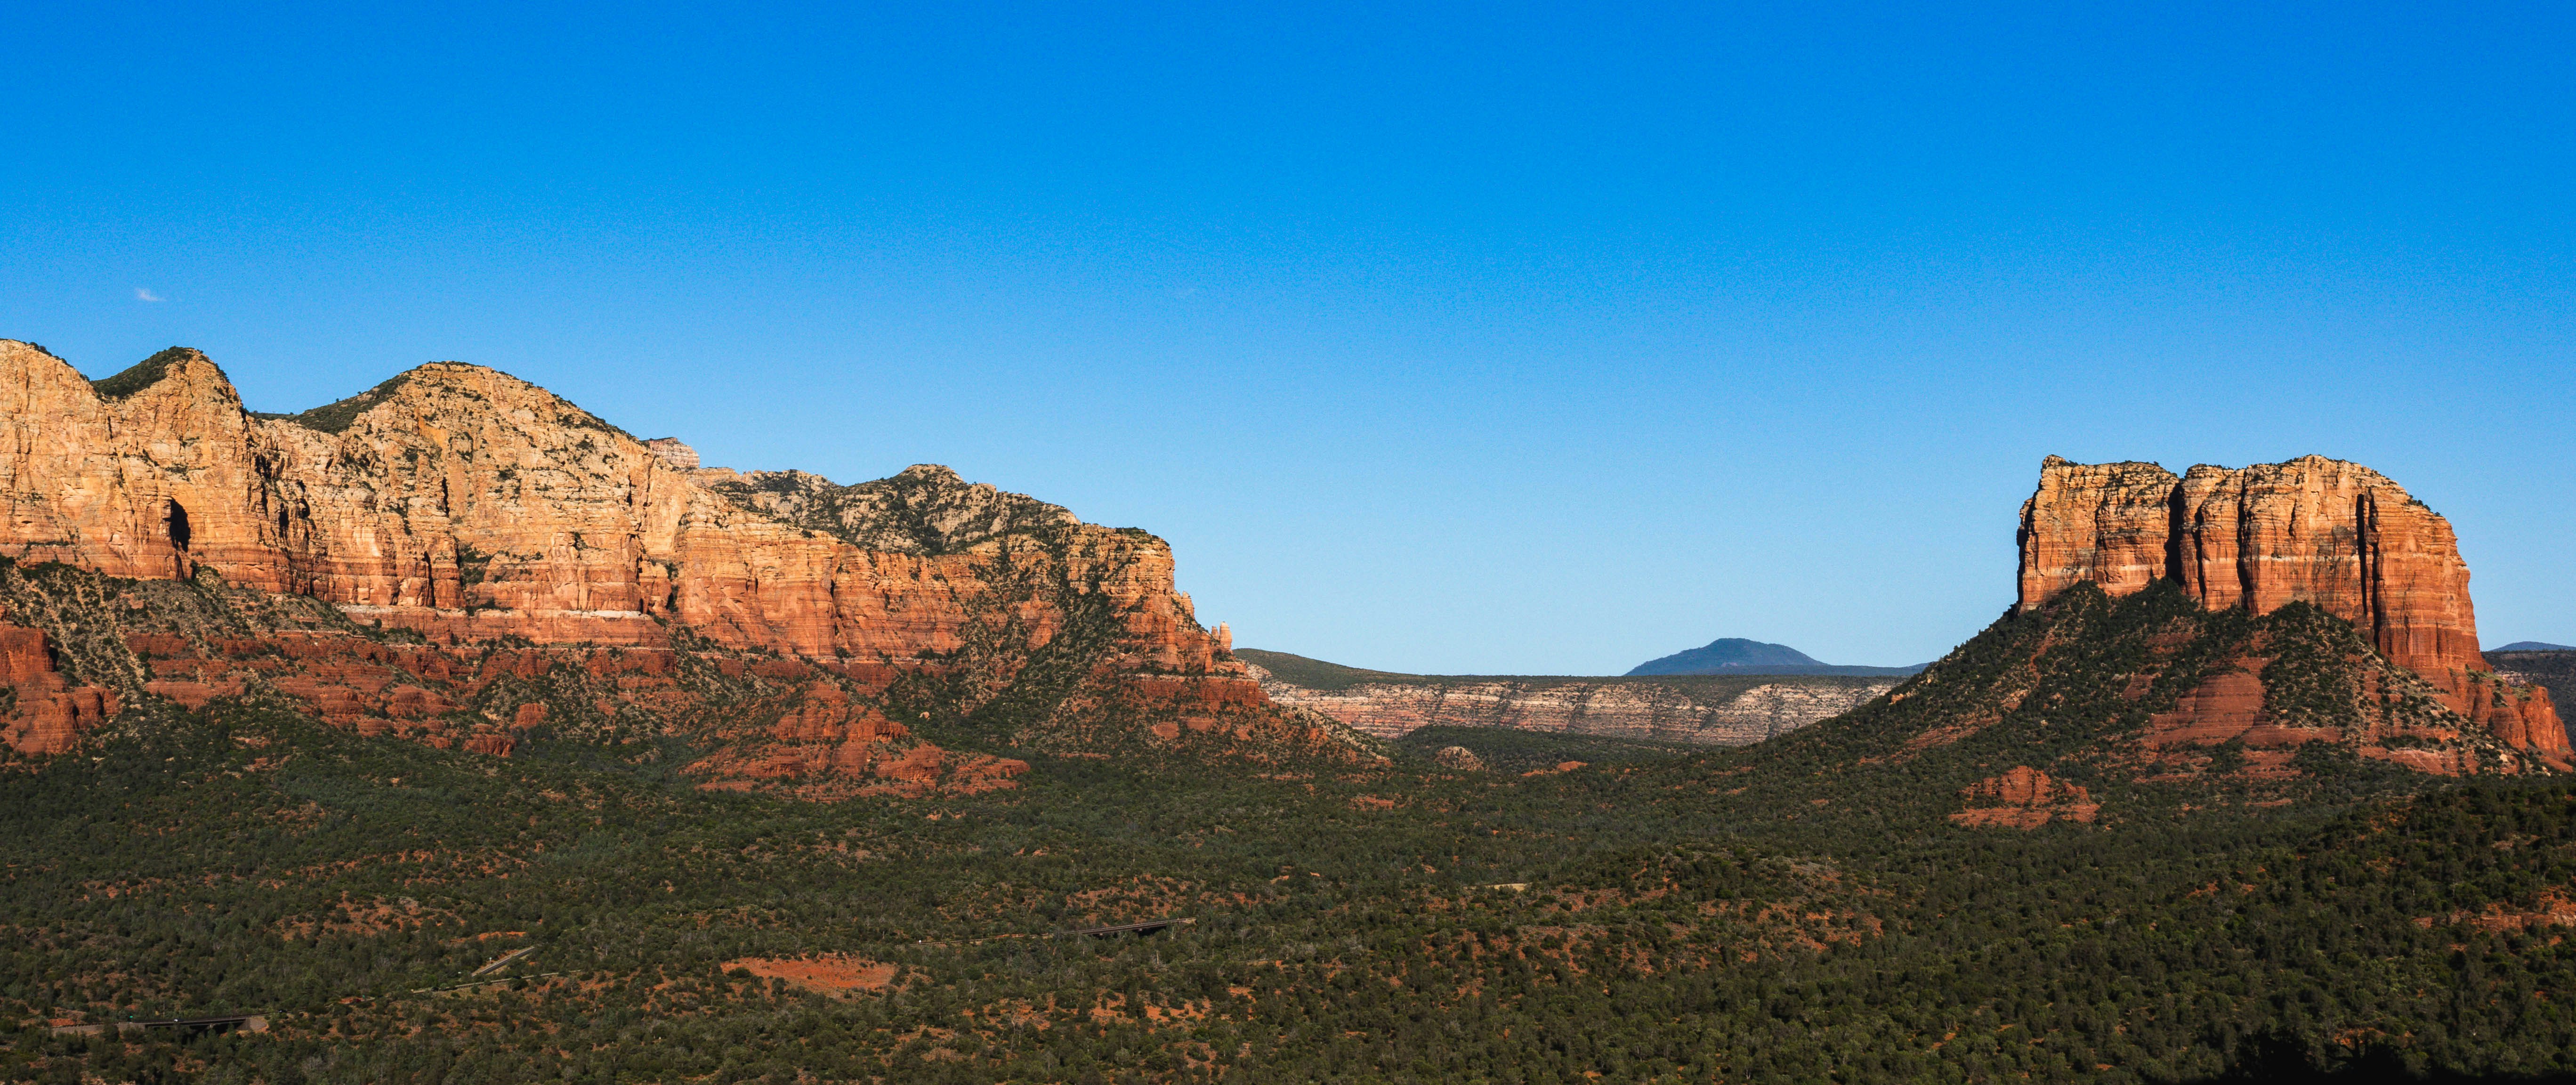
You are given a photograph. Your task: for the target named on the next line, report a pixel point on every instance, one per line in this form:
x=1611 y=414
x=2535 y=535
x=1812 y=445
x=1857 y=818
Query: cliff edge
x=2313 y=530
x=465 y=505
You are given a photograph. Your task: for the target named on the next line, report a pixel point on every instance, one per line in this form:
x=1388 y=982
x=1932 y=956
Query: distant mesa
x=1736 y=655
x=1724 y=709
x=2534 y=646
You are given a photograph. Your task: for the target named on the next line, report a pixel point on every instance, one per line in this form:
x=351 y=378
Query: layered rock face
x=47 y=714
x=2024 y=798
x=2334 y=534
x=2552 y=671
x=808 y=728
x=1725 y=712
x=464 y=504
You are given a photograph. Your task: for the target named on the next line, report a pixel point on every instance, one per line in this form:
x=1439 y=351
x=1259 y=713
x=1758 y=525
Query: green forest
x=1580 y=910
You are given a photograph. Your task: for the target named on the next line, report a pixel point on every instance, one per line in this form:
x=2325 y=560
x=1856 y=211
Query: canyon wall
x=1724 y=712
x=465 y=504
x=2334 y=534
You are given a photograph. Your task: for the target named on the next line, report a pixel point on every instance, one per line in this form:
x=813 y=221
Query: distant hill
x=1735 y=655
x=2534 y=646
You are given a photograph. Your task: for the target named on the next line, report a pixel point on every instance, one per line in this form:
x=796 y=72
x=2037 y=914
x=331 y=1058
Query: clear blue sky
x=1474 y=338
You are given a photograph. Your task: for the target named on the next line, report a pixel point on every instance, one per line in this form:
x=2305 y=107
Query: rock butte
x=2334 y=534
x=464 y=504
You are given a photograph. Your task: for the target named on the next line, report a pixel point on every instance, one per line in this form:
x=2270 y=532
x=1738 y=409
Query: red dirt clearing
x=830 y=974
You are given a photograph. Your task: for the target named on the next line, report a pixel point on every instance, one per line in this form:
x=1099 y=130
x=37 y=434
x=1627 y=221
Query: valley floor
x=1579 y=910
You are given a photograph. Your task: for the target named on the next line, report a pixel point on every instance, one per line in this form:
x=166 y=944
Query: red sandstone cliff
x=2338 y=535
x=465 y=504
x=46 y=713
x=2024 y=798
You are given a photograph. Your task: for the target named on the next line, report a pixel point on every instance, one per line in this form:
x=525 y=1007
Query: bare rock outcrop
x=2333 y=534
x=2554 y=671
x=926 y=509
x=463 y=504
x=46 y=713
x=2024 y=798
x=672 y=451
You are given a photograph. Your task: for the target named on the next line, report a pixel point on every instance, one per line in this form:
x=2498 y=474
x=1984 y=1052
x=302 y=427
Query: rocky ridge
x=926 y=509
x=2553 y=670
x=1723 y=711
x=468 y=507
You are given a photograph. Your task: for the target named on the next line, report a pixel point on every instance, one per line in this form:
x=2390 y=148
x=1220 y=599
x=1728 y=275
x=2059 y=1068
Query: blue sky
x=1471 y=338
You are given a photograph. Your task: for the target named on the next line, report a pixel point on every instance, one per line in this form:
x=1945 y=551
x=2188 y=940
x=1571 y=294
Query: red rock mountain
x=462 y=504
x=2333 y=534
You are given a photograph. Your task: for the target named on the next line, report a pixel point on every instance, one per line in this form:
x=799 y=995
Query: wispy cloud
x=142 y=294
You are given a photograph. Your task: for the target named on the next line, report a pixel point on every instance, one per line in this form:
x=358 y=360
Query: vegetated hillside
x=2150 y=705
x=1727 y=652
x=1709 y=709
x=2533 y=646
x=1735 y=655
x=2553 y=670
x=1332 y=677
x=1812 y=908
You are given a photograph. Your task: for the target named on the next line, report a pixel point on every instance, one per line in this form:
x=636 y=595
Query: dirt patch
x=831 y=974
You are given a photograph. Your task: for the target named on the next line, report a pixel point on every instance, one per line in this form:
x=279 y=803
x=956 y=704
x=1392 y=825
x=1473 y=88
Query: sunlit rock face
x=2334 y=534
x=465 y=504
